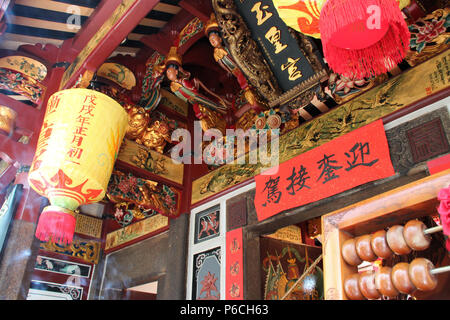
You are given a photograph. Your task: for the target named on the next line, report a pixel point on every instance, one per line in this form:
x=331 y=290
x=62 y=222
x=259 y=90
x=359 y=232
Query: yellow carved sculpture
x=138 y=120
x=247 y=120
x=211 y=120
x=156 y=136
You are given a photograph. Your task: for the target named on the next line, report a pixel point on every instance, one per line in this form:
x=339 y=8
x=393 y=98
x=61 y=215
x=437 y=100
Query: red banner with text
x=234 y=265
x=348 y=161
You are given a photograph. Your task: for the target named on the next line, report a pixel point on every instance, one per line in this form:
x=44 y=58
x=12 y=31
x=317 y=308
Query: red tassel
x=351 y=48
x=56 y=224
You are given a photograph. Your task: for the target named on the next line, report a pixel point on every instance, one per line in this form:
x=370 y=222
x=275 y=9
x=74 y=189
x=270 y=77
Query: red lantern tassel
x=56 y=224
x=363 y=38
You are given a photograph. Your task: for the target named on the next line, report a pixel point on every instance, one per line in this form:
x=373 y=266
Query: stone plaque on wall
x=427 y=140
x=419 y=139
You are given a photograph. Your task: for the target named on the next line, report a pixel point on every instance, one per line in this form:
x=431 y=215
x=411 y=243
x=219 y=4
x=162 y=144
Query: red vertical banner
x=439 y=164
x=358 y=157
x=234 y=265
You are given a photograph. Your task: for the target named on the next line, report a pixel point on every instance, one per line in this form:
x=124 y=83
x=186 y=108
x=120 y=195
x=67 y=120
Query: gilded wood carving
x=245 y=50
x=87 y=250
x=399 y=92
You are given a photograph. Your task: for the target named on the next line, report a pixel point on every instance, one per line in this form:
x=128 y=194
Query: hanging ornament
x=304 y=15
x=363 y=38
x=77 y=147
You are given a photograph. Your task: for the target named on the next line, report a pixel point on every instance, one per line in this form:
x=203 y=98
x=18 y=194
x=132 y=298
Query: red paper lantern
x=363 y=38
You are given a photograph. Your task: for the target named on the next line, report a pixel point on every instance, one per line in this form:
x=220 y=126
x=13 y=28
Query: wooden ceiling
x=45 y=21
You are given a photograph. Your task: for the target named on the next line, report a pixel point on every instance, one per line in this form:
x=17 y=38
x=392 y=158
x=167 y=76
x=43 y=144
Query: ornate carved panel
x=245 y=50
x=250 y=58
x=409 y=138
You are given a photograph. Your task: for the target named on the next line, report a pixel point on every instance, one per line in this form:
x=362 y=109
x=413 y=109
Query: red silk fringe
x=56 y=226
x=371 y=61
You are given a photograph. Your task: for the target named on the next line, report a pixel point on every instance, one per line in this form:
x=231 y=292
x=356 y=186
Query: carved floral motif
x=21 y=84
x=144 y=193
x=429 y=36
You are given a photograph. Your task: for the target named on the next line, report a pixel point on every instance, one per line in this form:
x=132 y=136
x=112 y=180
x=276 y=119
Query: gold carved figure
x=138 y=120
x=223 y=57
x=156 y=136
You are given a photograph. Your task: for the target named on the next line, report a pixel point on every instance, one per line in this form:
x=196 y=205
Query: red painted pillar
x=21 y=246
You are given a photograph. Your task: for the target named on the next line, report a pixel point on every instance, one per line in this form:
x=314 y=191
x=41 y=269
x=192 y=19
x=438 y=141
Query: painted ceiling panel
x=53 y=22
x=46 y=21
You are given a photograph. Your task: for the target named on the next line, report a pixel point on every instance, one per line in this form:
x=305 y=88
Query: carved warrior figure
x=140 y=127
x=244 y=49
x=151 y=95
x=226 y=61
x=207 y=110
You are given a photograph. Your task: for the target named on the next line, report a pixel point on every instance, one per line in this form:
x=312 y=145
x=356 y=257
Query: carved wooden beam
x=113 y=29
x=199 y=8
x=164 y=39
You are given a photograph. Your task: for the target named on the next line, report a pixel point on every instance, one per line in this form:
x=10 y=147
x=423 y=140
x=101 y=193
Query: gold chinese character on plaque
x=261 y=13
x=274 y=36
x=292 y=69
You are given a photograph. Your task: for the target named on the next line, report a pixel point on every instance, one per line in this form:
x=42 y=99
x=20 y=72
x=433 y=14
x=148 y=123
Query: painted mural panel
x=63 y=267
x=413 y=85
x=40 y=290
x=174 y=103
x=206 y=277
x=283 y=263
x=207 y=224
x=136 y=230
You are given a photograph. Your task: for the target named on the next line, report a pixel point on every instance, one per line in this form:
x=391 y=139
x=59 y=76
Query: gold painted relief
x=87 y=250
x=89 y=226
x=118 y=74
x=135 y=230
x=25 y=65
x=95 y=40
x=398 y=92
x=152 y=161
x=174 y=103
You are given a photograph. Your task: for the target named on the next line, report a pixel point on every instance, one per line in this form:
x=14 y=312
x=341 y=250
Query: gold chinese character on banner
x=293 y=71
x=274 y=36
x=261 y=13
